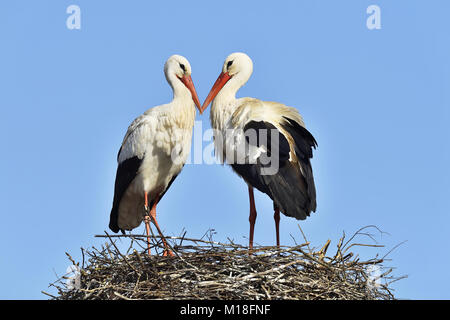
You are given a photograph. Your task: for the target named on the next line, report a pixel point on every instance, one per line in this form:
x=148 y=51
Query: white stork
x=154 y=151
x=291 y=185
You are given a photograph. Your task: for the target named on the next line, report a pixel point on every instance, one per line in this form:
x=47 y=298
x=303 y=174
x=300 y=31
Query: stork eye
x=229 y=64
x=183 y=67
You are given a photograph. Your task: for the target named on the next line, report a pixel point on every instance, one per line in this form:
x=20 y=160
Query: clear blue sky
x=377 y=102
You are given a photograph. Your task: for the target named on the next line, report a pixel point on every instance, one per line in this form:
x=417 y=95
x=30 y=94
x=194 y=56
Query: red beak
x=218 y=85
x=187 y=80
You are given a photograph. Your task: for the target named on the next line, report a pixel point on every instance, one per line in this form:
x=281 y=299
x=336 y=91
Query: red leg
x=153 y=217
x=276 y=217
x=147 y=222
x=252 y=217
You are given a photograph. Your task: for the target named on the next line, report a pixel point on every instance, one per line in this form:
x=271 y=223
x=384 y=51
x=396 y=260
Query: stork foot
x=168 y=253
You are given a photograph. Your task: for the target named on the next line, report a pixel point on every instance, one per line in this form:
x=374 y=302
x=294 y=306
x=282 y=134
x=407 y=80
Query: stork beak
x=187 y=80
x=218 y=85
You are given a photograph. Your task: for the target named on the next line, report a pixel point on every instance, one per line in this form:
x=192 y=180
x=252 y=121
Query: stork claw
x=167 y=252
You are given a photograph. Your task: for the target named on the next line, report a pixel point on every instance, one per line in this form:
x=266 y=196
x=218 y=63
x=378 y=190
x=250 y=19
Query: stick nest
x=205 y=269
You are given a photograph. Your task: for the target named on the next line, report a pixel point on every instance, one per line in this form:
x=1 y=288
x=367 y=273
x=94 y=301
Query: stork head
x=236 y=71
x=178 y=68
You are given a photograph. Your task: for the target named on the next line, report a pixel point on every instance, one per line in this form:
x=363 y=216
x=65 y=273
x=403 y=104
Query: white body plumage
x=154 y=149
x=164 y=143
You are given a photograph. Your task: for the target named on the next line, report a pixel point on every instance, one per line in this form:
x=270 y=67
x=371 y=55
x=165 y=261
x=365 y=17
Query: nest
x=205 y=269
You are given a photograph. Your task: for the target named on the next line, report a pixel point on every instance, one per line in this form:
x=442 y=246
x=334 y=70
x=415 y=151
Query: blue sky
x=377 y=102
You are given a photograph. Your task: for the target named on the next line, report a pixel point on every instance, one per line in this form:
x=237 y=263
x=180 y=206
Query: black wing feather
x=304 y=140
x=304 y=144
x=292 y=192
x=282 y=143
x=126 y=172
